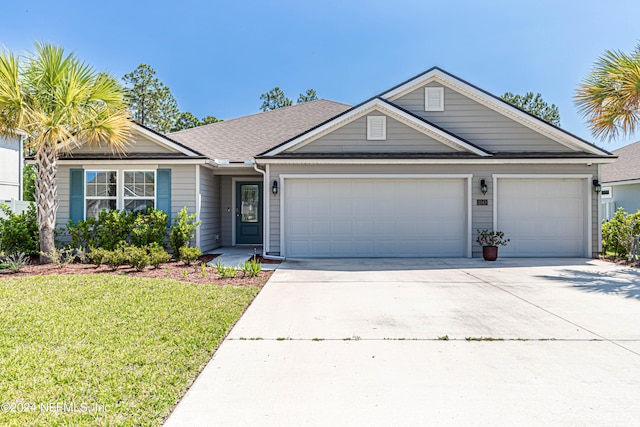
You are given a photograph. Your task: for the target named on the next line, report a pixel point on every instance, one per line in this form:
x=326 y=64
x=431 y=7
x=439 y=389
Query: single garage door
x=347 y=217
x=542 y=217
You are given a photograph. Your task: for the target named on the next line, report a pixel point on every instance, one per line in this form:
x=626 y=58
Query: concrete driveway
x=364 y=342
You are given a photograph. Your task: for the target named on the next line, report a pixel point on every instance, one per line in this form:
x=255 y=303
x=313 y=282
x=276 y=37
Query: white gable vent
x=433 y=99
x=376 y=127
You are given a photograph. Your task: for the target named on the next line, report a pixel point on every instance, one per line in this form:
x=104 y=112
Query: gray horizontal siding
x=227 y=210
x=478 y=124
x=209 y=210
x=482 y=216
x=353 y=138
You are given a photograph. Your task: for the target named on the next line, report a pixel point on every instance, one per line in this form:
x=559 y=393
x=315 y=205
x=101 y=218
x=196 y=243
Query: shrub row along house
x=413 y=172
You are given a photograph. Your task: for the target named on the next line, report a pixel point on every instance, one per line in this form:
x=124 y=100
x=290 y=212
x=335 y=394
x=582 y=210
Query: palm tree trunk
x=47 y=200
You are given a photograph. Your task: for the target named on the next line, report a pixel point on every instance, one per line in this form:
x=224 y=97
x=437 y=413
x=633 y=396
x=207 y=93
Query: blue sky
x=217 y=57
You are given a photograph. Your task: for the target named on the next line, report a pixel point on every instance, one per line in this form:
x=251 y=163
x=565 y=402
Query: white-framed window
x=434 y=98
x=139 y=190
x=128 y=190
x=606 y=192
x=376 y=127
x=100 y=192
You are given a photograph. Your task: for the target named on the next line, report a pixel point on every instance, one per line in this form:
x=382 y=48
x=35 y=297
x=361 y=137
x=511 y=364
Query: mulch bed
x=171 y=270
x=620 y=261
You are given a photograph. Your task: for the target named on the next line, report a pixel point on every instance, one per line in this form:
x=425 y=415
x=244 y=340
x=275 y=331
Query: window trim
x=84 y=185
x=120 y=198
x=155 y=187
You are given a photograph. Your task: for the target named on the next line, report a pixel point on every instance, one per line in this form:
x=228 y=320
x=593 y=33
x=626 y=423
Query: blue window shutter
x=163 y=191
x=76 y=202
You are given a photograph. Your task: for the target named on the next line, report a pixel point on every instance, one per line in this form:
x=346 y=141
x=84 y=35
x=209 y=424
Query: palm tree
x=609 y=97
x=58 y=102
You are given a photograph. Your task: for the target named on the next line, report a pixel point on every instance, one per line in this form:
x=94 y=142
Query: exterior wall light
x=483 y=186
x=596 y=186
x=274 y=187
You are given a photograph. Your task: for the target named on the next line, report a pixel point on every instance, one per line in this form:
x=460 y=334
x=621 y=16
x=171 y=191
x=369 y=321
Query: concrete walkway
x=429 y=342
x=234 y=256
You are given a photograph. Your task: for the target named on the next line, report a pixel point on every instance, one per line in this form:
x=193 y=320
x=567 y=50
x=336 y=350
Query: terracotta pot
x=490 y=253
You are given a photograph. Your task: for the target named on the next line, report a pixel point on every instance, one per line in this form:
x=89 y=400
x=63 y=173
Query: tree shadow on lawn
x=624 y=283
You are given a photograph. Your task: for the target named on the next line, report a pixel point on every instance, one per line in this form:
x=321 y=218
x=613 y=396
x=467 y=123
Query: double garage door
x=375 y=217
x=428 y=217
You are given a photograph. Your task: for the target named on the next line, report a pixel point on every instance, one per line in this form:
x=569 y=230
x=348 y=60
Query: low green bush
x=137 y=258
x=97 y=256
x=114 y=258
x=158 y=255
x=189 y=255
x=19 y=232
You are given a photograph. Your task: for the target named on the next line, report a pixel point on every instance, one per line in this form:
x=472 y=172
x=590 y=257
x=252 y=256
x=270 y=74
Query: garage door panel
x=542 y=217
x=299 y=228
x=376 y=217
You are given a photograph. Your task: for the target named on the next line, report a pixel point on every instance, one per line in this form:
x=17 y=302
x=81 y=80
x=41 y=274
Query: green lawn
x=104 y=349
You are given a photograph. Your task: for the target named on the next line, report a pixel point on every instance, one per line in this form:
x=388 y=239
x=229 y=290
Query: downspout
x=265 y=227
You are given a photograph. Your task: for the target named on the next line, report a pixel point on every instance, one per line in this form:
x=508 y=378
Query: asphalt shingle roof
x=626 y=167
x=245 y=137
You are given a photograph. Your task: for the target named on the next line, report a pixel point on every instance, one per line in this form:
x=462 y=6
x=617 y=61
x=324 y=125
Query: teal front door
x=248 y=213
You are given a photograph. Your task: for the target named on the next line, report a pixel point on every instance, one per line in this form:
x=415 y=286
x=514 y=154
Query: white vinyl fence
x=16 y=206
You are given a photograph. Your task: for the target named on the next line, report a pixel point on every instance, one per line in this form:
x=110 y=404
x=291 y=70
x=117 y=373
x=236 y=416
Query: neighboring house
x=11 y=163
x=621 y=182
x=398 y=175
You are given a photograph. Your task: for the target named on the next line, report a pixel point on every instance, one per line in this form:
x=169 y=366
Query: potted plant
x=490 y=240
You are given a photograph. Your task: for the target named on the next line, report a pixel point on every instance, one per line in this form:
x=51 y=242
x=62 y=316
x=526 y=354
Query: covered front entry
x=249 y=213
x=355 y=216
x=543 y=216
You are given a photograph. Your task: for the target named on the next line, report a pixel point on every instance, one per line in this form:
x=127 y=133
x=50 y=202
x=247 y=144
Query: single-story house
x=412 y=172
x=11 y=164
x=621 y=182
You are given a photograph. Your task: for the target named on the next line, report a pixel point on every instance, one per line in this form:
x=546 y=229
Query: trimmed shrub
x=137 y=258
x=158 y=255
x=113 y=228
x=97 y=256
x=114 y=258
x=182 y=231
x=149 y=228
x=189 y=255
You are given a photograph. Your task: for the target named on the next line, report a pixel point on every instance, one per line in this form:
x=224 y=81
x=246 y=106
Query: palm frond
x=609 y=97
